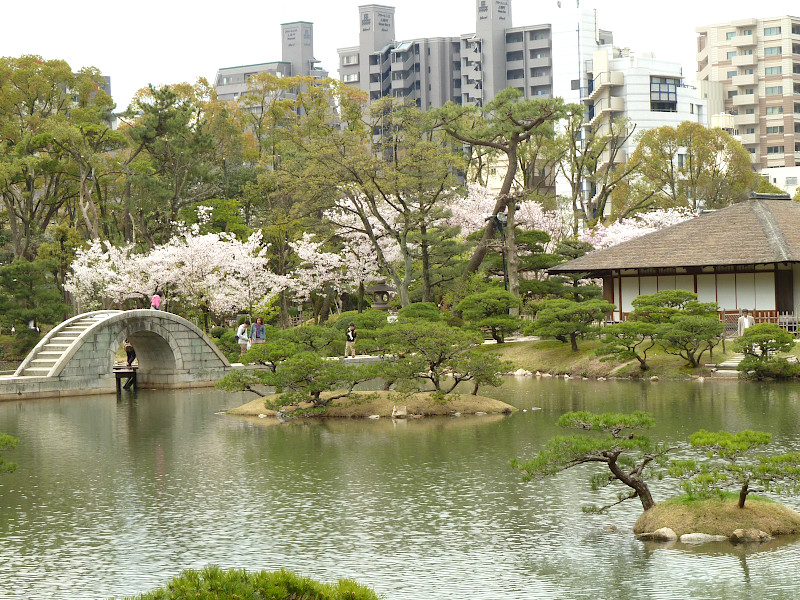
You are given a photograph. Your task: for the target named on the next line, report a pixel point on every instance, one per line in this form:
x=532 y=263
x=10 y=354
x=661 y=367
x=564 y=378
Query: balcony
x=746 y=60
x=605 y=107
x=537 y=44
x=540 y=62
x=605 y=80
x=703 y=71
x=740 y=120
x=513 y=65
x=745 y=100
x=702 y=55
x=604 y=160
x=751 y=79
x=741 y=41
x=541 y=80
x=748 y=138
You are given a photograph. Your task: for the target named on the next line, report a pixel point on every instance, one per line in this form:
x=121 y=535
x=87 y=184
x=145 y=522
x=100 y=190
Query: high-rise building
x=297 y=58
x=751 y=69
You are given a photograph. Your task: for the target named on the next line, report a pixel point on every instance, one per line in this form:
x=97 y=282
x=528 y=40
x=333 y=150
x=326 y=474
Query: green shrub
x=21 y=344
x=369 y=319
x=426 y=311
x=756 y=368
x=214 y=583
x=229 y=345
x=216 y=332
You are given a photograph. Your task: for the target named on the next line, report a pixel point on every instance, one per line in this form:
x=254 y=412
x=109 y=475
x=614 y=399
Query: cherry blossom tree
x=603 y=236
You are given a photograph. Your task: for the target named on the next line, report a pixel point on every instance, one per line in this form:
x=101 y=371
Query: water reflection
x=114 y=496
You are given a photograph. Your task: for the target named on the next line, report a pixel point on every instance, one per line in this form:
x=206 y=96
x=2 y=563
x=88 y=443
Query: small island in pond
x=384 y=404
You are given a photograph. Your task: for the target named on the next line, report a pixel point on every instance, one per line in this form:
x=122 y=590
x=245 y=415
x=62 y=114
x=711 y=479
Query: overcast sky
x=169 y=41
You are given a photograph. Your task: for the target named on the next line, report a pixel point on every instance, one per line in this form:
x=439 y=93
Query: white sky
x=169 y=41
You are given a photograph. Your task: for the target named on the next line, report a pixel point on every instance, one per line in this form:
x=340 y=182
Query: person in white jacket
x=241 y=335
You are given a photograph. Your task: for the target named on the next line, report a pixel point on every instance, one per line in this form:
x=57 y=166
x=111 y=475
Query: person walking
x=155 y=302
x=241 y=335
x=258 y=333
x=350 y=341
x=745 y=321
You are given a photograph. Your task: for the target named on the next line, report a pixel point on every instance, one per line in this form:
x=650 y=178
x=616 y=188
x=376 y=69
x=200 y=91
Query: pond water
x=115 y=496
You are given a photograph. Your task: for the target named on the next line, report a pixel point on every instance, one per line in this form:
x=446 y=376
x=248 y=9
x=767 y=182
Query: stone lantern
x=380 y=294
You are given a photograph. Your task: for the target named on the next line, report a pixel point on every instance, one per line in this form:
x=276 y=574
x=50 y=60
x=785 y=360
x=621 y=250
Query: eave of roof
x=754 y=232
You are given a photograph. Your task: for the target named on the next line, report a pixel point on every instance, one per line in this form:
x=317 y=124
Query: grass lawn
x=552 y=356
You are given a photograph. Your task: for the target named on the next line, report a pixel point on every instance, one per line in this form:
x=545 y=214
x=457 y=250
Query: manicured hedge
x=214 y=583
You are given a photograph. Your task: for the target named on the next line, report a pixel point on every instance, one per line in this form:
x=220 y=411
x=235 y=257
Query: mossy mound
x=719 y=516
x=366 y=404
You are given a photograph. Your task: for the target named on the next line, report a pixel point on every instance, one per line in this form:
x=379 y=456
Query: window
x=730 y=35
x=748 y=72
x=796 y=68
x=749 y=111
x=795 y=48
x=797 y=107
x=350 y=77
x=776 y=89
x=350 y=59
x=772 y=30
x=797 y=127
x=772 y=50
x=795 y=29
x=514 y=38
x=750 y=130
x=749 y=91
x=774 y=110
x=775 y=129
x=664 y=94
x=747 y=52
x=731 y=54
x=773 y=70
x=747 y=32
x=518 y=55
x=791 y=180
x=732 y=93
x=774 y=149
x=732 y=74
x=751 y=150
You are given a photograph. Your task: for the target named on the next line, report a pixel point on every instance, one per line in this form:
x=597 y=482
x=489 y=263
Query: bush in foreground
x=217 y=584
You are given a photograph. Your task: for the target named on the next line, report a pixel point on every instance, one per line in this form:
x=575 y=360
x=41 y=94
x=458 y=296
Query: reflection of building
x=297 y=58
x=749 y=258
x=756 y=65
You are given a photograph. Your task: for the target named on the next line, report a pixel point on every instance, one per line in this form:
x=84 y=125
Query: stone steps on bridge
x=50 y=353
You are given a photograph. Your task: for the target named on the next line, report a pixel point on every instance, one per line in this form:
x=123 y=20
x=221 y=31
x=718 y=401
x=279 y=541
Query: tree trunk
x=360 y=296
x=426 y=267
x=634 y=482
x=573 y=340
x=284 y=304
x=743 y=494
x=512 y=260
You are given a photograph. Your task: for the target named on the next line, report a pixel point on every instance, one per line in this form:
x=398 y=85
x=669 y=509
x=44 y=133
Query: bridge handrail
x=53 y=333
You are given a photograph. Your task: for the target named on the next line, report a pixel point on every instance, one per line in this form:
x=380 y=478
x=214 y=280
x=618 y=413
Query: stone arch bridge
x=77 y=356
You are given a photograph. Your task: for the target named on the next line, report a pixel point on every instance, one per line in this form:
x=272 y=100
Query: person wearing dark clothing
x=129 y=352
x=350 y=341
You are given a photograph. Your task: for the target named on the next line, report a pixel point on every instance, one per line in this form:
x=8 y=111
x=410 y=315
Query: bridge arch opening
x=155 y=356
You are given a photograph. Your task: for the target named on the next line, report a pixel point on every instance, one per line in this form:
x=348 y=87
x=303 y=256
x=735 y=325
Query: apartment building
x=297 y=58
x=648 y=92
x=755 y=66
x=467 y=69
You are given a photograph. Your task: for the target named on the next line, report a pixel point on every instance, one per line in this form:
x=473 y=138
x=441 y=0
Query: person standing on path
x=241 y=335
x=155 y=302
x=258 y=333
x=350 y=341
x=745 y=321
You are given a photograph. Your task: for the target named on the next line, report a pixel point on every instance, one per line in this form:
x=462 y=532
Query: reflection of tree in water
x=606 y=564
